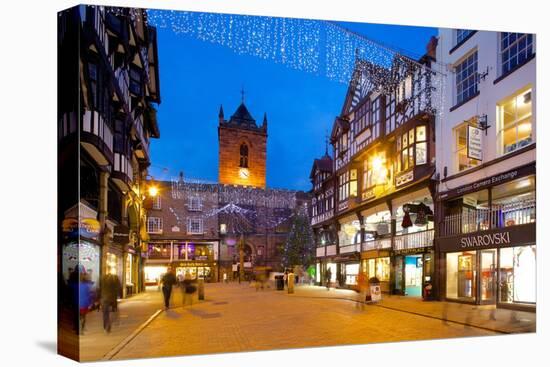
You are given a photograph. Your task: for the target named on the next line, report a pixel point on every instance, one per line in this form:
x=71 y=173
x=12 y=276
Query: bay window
x=514 y=119
x=412 y=148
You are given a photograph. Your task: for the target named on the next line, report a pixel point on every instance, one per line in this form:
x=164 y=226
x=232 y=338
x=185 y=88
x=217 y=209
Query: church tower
x=242 y=149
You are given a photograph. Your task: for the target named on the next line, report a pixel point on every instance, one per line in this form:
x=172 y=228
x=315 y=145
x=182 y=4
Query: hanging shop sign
x=73 y=228
x=498 y=237
x=497 y=179
x=121 y=234
x=474 y=147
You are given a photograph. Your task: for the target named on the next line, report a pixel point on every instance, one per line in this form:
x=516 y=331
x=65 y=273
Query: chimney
x=431 y=47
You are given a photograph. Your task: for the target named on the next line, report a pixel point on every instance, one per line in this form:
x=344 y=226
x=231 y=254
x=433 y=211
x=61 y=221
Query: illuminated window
x=343 y=186
x=461 y=151
x=514 y=122
x=379 y=268
x=466 y=78
x=412 y=148
x=515 y=49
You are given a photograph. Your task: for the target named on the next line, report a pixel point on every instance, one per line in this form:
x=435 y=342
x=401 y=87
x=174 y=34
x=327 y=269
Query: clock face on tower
x=244 y=173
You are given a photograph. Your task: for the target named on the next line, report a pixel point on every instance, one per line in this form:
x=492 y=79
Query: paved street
x=236 y=318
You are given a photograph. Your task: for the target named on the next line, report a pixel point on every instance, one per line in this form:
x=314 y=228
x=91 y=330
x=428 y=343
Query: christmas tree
x=299 y=247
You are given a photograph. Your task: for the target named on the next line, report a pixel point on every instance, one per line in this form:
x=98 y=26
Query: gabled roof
x=323 y=164
x=365 y=79
x=341 y=123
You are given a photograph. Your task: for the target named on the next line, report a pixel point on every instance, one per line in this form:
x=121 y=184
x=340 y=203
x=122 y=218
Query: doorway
x=413 y=275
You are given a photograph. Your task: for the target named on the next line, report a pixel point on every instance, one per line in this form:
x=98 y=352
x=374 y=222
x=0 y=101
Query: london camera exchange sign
x=475 y=147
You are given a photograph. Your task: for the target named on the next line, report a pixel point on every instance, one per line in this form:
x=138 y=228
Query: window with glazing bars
x=515 y=49
x=466 y=78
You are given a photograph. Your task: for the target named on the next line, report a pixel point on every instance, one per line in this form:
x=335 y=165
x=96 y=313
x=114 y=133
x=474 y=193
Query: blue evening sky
x=197 y=76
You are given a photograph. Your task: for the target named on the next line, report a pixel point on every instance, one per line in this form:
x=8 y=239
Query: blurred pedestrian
x=168 y=280
x=110 y=290
x=328 y=276
x=85 y=299
x=362 y=284
x=285 y=278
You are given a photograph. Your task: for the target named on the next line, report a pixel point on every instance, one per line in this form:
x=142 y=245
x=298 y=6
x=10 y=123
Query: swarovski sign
x=492 y=239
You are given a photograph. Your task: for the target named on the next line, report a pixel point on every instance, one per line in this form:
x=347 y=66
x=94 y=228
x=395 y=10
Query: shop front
x=81 y=251
x=349 y=246
x=413 y=244
x=377 y=263
x=487 y=241
x=491 y=267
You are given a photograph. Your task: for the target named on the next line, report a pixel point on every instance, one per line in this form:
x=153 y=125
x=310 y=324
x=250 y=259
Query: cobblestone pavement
x=236 y=318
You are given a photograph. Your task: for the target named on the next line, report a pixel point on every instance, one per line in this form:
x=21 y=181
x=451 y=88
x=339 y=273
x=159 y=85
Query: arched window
x=244 y=156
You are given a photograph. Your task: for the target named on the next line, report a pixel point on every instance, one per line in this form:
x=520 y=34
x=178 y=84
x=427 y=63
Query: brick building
x=190 y=216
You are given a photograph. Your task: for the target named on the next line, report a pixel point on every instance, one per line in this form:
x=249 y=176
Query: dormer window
x=243 y=162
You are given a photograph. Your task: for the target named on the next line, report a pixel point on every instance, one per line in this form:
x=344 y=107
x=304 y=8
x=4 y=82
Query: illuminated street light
x=153 y=191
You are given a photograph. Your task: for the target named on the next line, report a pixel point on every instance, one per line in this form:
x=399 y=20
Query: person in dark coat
x=328 y=275
x=168 y=280
x=110 y=289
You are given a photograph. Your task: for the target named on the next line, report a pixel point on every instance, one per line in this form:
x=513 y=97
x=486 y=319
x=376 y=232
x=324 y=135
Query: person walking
x=362 y=284
x=110 y=289
x=168 y=280
x=328 y=276
x=85 y=299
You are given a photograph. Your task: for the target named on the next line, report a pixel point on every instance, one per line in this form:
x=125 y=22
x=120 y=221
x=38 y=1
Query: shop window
x=515 y=49
x=514 y=202
x=461 y=149
x=352 y=271
x=112 y=264
x=461 y=275
x=514 y=121
x=518 y=272
x=353 y=183
x=379 y=268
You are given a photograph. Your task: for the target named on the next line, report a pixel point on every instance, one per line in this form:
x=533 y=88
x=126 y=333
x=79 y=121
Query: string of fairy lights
x=324 y=48
x=241 y=209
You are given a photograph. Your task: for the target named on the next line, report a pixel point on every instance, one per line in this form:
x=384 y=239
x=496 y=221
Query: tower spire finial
x=242 y=93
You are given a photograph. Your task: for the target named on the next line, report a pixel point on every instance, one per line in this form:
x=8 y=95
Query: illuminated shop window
x=461 y=275
x=514 y=117
x=461 y=150
x=412 y=148
x=518 y=272
x=379 y=268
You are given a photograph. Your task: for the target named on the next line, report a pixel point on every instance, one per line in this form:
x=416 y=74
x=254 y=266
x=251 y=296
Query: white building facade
x=485 y=161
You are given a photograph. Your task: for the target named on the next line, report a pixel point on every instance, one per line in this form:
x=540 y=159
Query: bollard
x=201 y=289
x=290 y=282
